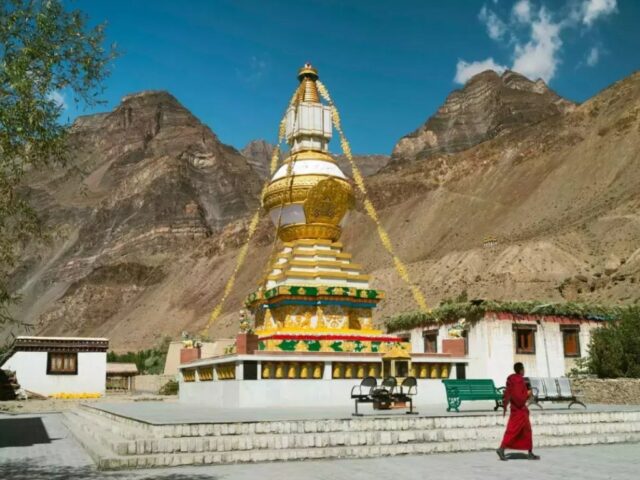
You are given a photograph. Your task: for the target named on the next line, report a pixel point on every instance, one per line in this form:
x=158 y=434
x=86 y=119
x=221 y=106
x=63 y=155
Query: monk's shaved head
x=518 y=367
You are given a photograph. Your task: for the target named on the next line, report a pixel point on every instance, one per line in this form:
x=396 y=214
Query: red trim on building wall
x=516 y=317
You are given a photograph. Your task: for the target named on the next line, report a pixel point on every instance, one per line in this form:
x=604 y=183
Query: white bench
x=553 y=390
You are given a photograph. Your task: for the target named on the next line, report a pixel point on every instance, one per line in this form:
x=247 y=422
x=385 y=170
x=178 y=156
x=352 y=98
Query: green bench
x=459 y=390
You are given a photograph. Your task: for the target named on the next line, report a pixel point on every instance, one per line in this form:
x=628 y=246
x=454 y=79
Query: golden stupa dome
x=308 y=196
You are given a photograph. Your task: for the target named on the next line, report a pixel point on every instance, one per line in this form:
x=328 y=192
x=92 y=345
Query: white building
x=58 y=365
x=547 y=345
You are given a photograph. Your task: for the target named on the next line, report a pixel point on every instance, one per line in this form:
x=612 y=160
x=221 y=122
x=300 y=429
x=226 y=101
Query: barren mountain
x=148 y=224
x=144 y=184
x=548 y=211
x=489 y=105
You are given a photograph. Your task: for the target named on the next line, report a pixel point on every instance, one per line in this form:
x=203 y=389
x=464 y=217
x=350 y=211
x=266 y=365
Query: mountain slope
x=560 y=197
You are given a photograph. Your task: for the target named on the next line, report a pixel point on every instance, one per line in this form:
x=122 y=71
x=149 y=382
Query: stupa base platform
x=285 y=393
x=302 y=379
x=159 y=434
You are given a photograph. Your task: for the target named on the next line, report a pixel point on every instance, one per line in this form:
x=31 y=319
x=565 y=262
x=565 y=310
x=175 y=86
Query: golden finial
x=308 y=70
x=308 y=76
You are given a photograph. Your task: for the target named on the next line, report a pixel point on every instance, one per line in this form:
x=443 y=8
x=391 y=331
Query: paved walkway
x=39 y=447
x=162 y=413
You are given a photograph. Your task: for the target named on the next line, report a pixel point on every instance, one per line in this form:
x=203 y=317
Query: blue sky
x=388 y=64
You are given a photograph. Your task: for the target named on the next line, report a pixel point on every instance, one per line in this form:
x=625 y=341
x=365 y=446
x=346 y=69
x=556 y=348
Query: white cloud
x=522 y=11
x=535 y=36
x=495 y=27
x=58 y=98
x=593 y=56
x=466 y=70
x=594 y=9
x=538 y=58
x=254 y=72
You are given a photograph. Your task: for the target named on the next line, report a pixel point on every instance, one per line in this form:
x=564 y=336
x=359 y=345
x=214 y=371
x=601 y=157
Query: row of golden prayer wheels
x=361 y=370
x=304 y=370
x=226 y=371
x=314 y=370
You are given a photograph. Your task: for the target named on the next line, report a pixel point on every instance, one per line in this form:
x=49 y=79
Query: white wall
x=290 y=393
x=31 y=371
x=491 y=347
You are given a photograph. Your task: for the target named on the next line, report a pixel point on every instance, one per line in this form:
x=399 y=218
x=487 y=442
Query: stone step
x=102 y=456
x=111 y=461
x=146 y=444
x=357 y=424
x=102 y=435
x=128 y=430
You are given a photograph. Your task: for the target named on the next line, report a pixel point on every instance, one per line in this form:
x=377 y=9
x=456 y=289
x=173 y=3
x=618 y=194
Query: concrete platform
x=165 y=413
x=58 y=456
x=142 y=435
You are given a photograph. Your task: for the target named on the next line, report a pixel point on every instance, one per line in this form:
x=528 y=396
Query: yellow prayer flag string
x=368 y=205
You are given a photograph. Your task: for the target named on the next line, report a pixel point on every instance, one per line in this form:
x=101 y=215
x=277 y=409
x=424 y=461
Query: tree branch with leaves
x=45 y=49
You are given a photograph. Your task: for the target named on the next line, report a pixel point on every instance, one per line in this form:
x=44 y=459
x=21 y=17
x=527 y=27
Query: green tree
x=44 y=50
x=614 y=350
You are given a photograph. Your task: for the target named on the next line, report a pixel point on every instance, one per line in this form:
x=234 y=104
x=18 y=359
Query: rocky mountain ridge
x=487 y=106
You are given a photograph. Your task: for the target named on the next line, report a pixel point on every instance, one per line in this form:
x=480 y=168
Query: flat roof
x=115 y=367
x=37 y=337
x=180 y=413
x=25 y=343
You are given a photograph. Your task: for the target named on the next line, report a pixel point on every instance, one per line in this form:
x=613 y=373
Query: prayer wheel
x=348 y=371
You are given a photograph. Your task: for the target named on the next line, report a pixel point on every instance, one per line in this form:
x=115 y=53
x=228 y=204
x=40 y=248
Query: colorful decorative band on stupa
x=314 y=298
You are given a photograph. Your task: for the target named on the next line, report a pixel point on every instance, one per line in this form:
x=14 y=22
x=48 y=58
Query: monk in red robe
x=518 y=435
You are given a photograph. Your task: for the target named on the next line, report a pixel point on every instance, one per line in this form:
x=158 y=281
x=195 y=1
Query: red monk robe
x=518 y=435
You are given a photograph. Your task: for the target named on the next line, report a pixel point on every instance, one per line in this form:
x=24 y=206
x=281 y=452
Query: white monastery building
x=547 y=345
x=56 y=365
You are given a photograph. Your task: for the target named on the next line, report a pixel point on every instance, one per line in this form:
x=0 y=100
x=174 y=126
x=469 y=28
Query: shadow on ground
x=517 y=456
x=22 y=432
x=26 y=470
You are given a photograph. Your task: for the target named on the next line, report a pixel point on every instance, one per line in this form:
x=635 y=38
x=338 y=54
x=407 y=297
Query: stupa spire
x=308 y=76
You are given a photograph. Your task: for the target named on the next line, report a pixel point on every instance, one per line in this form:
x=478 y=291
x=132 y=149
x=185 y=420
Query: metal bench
x=386 y=396
x=408 y=389
x=538 y=392
x=363 y=393
x=382 y=397
x=470 y=390
x=553 y=390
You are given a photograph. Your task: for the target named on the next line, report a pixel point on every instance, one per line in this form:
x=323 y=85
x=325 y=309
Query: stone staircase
x=116 y=442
